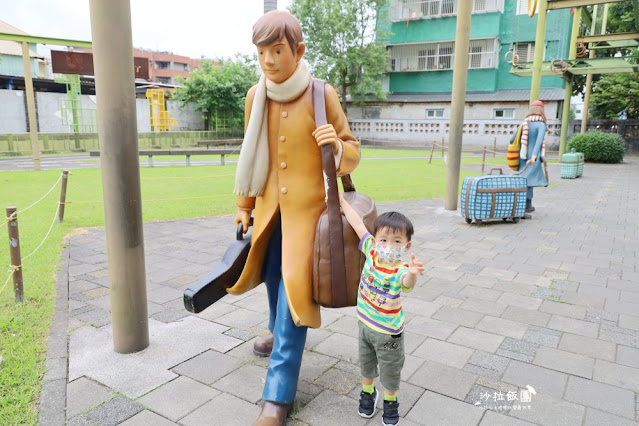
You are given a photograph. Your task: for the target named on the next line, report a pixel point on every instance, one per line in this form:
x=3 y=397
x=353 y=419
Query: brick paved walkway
x=549 y=305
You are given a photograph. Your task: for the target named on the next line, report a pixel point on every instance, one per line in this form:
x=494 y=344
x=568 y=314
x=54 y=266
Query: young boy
x=381 y=319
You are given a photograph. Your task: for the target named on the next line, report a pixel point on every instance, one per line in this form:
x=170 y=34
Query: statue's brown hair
x=537 y=110
x=275 y=25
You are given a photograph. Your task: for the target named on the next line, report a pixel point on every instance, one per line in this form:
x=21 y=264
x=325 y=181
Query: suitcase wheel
x=515 y=219
x=469 y=221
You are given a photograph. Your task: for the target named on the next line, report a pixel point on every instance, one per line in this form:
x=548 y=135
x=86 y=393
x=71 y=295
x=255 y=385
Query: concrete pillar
x=31 y=111
x=588 y=89
x=540 y=42
x=572 y=54
x=460 y=72
x=117 y=129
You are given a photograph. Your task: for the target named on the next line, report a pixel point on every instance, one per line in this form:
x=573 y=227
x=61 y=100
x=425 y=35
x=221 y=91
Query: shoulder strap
x=335 y=235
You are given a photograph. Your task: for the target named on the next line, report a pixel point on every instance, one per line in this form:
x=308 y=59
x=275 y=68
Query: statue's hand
x=243 y=216
x=326 y=135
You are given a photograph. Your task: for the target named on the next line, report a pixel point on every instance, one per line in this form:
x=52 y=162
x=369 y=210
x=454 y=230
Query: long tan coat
x=294 y=187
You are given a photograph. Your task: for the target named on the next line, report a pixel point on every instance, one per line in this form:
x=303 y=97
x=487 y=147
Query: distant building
x=11 y=57
x=164 y=67
x=422 y=49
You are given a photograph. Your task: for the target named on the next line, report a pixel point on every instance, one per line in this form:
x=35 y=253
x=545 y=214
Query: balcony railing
x=440 y=56
x=403 y=10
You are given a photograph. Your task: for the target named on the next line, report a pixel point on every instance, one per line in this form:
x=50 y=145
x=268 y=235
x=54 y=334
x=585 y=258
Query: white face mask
x=389 y=254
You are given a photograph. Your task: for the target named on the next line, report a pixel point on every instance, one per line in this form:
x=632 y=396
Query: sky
x=194 y=28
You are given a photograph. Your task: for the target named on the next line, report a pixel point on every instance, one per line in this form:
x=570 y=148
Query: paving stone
x=439 y=409
x=244 y=352
x=620 y=402
x=544 y=381
x=469 y=268
x=546 y=410
x=501 y=274
x=96 y=317
x=338 y=381
x=492 y=365
x=170 y=315
x=239 y=334
x=596 y=418
x=457 y=316
x=587 y=300
x=346 y=325
x=449 y=301
x=476 y=339
x=443 y=379
x=474 y=292
x=518 y=349
x=502 y=326
x=314 y=365
x=559 y=360
x=444 y=353
x=492 y=418
x=331 y=409
x=629 y=321
x=552 y=294
x=617 y=375
x=483 y=307
x=340 y=346
x=524 y=302
x=527 y=316
x=83 y=394
x=628 y=356
x=594 y=348
x=114 y=411
x=177 y=398
x=563 y=309
x=564 y=285
x=246 y=382
x=619 y=335
x=227 y=409
x=600 y=316
x=145 y=418
x=315 y=336
x=431 y=328
x=241 y=318
x=208 y=367
x=574 y=326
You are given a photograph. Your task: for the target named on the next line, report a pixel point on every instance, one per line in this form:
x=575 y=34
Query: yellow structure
x=159 y=118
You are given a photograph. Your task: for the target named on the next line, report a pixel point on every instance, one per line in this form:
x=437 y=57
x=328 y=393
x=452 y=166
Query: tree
x=344 y=45
x=613 y=93
x=218 y=89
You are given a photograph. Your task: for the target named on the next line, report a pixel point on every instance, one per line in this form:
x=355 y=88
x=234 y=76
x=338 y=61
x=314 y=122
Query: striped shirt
x=378 y=302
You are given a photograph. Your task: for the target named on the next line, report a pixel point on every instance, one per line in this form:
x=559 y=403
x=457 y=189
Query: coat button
x=284 y=114
x=282 y=138
x=283 y=190
x=283 y=164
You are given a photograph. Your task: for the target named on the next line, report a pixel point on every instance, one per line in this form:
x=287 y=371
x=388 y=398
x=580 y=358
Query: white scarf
x=252 y=167
x=524 y=138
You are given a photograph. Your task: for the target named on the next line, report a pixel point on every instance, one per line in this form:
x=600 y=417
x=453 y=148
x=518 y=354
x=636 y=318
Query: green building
x=421 y=47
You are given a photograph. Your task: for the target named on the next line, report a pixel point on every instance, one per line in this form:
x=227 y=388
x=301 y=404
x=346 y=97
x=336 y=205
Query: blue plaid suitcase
x=493 y=196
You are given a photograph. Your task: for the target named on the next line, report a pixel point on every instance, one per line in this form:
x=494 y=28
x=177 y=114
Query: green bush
x=599 y=147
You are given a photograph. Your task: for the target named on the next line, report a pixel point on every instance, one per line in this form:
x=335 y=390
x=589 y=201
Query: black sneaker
x=391 y=413
x=367 y=403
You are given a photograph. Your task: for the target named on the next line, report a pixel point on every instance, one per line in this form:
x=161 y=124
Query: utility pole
x=118 y=135
x=31 y=111
x=458 y=101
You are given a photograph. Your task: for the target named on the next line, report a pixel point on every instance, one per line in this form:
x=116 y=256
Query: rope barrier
x=43 y=197
x=13 y=271
x=45 y=237
x=9 y=219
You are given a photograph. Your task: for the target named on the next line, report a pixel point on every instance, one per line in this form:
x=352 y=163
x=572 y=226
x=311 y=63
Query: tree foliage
x=613 y=93
x=344 y=45
x=218 y=88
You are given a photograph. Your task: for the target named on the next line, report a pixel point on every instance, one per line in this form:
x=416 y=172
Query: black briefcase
x=212 y=286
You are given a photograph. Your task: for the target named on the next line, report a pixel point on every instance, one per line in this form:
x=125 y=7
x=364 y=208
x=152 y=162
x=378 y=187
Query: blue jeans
x=288 y=344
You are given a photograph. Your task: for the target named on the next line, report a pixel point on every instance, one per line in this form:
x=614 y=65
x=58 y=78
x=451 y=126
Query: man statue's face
x=278 y=61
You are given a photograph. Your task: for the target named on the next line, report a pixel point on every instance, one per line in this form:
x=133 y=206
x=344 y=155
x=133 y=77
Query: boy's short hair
x=395 y=221
x=275 y=25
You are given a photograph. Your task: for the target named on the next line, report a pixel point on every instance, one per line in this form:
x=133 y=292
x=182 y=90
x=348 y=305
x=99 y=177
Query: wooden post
x=16 y=260
x=483 y=161
x=432 y=150
x=443 y=144
x=63 y=195
x=494 y=146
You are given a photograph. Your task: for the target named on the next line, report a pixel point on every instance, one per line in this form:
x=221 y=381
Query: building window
x=525 y=51
x=404 y=10
x=439 y=56
x=161 y=65
x=504 y=113
x=522 y=7
x=164 y=80
x=434 y=112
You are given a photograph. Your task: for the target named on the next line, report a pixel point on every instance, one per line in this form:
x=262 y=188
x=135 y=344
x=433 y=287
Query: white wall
x=13 y=114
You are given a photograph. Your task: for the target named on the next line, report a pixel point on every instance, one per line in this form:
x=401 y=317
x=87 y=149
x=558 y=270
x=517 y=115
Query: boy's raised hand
x=415 y=265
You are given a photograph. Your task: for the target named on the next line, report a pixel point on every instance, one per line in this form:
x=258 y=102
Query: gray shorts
x=381 y=349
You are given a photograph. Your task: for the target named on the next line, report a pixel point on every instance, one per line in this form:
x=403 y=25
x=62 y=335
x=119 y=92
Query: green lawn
x=167 y=193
